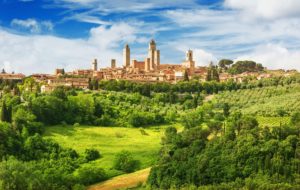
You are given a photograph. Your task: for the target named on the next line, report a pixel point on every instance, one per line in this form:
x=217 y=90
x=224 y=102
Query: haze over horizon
x=39 y=36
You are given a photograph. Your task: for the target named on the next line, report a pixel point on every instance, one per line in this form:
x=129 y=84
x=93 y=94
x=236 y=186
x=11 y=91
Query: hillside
x=109 y=141
x=268 y=101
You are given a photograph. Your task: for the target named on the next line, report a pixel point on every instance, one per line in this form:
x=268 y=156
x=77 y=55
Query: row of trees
x=195 y=86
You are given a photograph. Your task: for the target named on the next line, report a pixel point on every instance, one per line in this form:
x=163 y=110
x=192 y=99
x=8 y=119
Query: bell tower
x=189 y=63
x=153 y=55
x=126 y=56
x=95 y=65
x=189 y=55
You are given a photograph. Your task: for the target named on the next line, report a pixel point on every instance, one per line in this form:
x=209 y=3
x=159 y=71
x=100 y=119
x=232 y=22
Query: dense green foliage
x=269 y=101
x=218 y=147
x=245 y=66
x=212 y=74
x=241 y=155
x=124 y=161
x=31 y=162
x=195 y=86
x=225 y=63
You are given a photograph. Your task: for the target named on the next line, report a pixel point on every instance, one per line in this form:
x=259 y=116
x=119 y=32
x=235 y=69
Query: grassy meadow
x=110 y=141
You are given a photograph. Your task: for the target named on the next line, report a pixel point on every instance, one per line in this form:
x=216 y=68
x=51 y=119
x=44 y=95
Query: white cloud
x=269 y=9
x=226 y=34
x=124 y=5
x=274 y=56
x=112 y=36
x=32 y=25
x=44 y=53
x=203 y=58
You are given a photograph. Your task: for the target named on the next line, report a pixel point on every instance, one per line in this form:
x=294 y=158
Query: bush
x=90 y=174
x=92 y=154
x=105 y=120
x=124 y=161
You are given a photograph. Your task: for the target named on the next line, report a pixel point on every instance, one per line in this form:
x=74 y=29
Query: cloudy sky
x=41 y=35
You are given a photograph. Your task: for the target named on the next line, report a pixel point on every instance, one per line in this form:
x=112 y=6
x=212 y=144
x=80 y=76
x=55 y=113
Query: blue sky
x=41 y=35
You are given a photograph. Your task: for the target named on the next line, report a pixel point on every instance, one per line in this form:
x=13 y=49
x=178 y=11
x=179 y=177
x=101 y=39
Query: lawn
x=109 y=141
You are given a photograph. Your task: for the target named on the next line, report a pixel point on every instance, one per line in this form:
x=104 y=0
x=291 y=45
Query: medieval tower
x=94 y=65
x=189 y=62
x=126 y=56
x=153 y=55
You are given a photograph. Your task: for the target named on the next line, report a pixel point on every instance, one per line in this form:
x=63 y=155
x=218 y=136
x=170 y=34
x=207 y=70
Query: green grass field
x=109 y=141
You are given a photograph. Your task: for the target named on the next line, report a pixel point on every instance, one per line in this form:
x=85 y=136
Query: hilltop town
x=148 y=70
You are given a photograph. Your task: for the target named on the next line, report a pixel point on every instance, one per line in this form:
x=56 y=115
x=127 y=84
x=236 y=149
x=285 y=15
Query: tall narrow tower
x=126 y=56
x=189 y=55
x=153 y=55
x=113 y=63
x=95 y=65
x=189 y=62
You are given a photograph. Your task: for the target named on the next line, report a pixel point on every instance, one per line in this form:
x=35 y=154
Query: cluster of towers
x=153 y=60
x=151 y=63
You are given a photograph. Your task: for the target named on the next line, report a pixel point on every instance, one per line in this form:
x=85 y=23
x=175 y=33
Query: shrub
x=124 y=161
x=92 y=154
x=90 y=174
x=78 y=187
x=105 y=120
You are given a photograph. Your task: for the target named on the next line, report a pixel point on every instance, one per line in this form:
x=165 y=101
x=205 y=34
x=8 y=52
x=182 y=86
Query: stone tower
x=189 y=63
x=113 y=63
x=153 y=55
x=189 y=55
x=94 y=65
x=126 y=56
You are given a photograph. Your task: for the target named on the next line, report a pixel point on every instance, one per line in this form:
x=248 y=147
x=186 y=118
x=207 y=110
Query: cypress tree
x=4 y=113
x=186 y=76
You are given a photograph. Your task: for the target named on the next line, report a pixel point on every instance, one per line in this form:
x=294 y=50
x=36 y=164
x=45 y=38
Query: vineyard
x=268 y=101
x=272 y=121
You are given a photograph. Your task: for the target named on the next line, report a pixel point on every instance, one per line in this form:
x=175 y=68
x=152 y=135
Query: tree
x=96 y=84
x=245 y=66
x=186 y=76
x=295 y=119
x=91 y=154
x=90 y=86
x=191 y=119
x=225 y=63
x=23 y=118
x=90 y=174
x=124 y=161
x=212 y=73
x=6 y=113
x=226 y=109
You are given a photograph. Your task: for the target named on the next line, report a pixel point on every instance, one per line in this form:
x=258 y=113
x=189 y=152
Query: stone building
x=148 y=70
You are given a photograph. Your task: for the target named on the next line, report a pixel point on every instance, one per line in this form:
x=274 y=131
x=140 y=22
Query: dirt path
x=123 y=181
